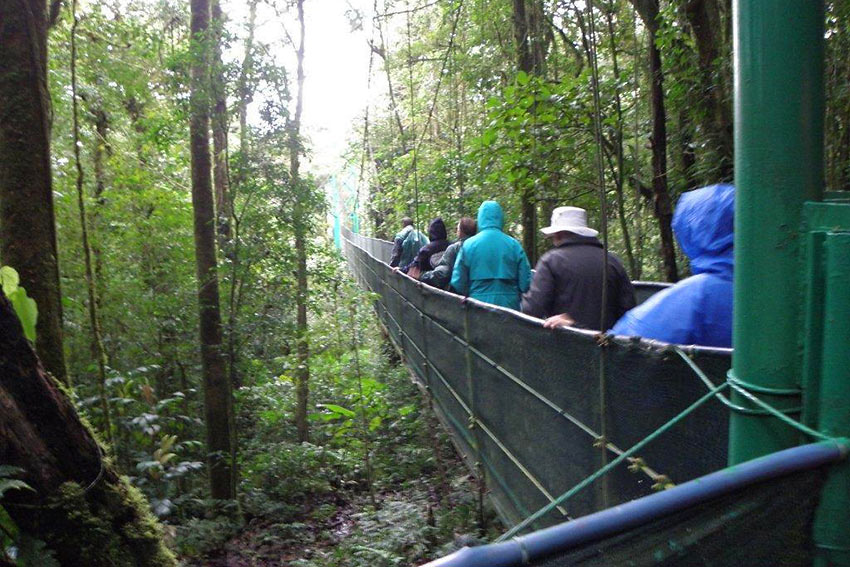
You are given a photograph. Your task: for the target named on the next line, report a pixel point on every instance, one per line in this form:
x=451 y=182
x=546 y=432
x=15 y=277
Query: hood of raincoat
x=703 y=223
x=490 y=215
x=437 y=229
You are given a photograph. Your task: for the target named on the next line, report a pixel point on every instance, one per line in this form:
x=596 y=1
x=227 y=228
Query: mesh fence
x=536 y=411
x=765 y=524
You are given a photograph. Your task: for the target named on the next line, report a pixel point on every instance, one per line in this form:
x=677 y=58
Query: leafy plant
x=24 y=306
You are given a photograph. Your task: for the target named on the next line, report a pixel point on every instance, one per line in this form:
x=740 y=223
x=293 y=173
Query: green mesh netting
x=529 y=405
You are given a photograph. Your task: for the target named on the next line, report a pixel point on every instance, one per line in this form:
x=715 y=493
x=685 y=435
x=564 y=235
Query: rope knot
x=636 y=464
x=662 y=482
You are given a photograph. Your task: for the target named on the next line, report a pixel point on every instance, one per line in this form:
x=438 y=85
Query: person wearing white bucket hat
x=569 y=219
x=568 y=278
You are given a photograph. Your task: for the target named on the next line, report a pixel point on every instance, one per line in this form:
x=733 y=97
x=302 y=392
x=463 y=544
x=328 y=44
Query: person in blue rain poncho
x=491 y=266
x=697 y=310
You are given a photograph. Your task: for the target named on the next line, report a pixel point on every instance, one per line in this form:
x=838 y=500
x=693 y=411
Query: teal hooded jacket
x=492 y=266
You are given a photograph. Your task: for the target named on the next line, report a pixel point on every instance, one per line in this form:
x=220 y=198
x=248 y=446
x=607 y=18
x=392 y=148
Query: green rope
x=610 y=466
x=781 y=416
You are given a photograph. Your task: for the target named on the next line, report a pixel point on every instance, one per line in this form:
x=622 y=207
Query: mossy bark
x=80 y=507
x=27 y=230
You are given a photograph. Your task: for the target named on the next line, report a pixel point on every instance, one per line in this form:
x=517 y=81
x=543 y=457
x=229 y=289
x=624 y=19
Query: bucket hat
x=569 y=219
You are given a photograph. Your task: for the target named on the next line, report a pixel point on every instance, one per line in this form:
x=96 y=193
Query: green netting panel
x=545 y=418
x=767 y=524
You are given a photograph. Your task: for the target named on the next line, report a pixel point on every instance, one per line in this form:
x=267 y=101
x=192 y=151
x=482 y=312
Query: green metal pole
x=832 y=526
x=779 y=104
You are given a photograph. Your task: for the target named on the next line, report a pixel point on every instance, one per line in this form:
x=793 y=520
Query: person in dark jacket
x=568 y=278
x=438 y=243
x=491 y=266
x=406 y=243
x=442 y=272
x=698 y=309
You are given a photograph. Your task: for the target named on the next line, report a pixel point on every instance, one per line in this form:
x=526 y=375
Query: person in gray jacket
x=406 y=244
x=568 y=278
x=442 y=272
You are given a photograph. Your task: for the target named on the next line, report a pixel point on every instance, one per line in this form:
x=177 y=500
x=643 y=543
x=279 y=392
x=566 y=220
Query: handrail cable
x=603 y=204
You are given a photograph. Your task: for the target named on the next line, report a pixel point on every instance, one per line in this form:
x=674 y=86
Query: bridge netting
x=536 y=411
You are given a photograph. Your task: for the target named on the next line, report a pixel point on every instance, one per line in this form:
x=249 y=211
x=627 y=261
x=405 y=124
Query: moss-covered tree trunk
x=80 y=507
x=27 y=230
x=218 y=406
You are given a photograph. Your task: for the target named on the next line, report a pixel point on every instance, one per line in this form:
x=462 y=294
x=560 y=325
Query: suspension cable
x=412 y=123
x=366 y=113
x=603 y=202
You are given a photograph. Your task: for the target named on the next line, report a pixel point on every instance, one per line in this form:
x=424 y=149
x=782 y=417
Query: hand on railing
x=562 y=320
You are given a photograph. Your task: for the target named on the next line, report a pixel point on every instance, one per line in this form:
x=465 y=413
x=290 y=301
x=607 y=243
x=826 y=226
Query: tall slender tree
x=27 y=229
x=218 y=407
x=531 y=57
x=302 y=373
x=663 y=204
x=91 y=283
x=706 y=23
x=221 y=173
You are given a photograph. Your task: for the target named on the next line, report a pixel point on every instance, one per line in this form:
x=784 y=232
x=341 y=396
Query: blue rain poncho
x=492 y=266
x=697 y=310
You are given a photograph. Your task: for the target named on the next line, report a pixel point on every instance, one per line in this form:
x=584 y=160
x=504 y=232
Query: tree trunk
x=705 y=22
x=217 y=392
x=246 y=92
x=91 y=283
x=528 y=218
x=302 y=373
x=221 y=172
x=383 y=52
x=27 y=230
x=686 y=150
x=80 y=507
x=101 y=146
x=223 y=203
x=531 y=54
x=663 y=204
x=619 y=177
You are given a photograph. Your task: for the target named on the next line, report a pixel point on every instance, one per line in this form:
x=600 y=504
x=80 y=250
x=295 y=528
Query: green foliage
x=25 y=307
x=18 y=547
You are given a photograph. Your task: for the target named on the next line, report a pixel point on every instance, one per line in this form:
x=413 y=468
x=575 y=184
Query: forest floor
x=425 y=504
x=357 y=534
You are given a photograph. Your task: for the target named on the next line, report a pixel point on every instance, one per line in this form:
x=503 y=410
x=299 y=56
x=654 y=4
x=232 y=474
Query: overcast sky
x=336 y=64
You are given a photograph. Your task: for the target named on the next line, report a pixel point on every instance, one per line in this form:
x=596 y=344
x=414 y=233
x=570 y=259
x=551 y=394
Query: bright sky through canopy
x=336 y=63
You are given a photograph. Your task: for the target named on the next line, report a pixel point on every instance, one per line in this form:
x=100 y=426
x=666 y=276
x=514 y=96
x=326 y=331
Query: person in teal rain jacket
x=492 y=266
